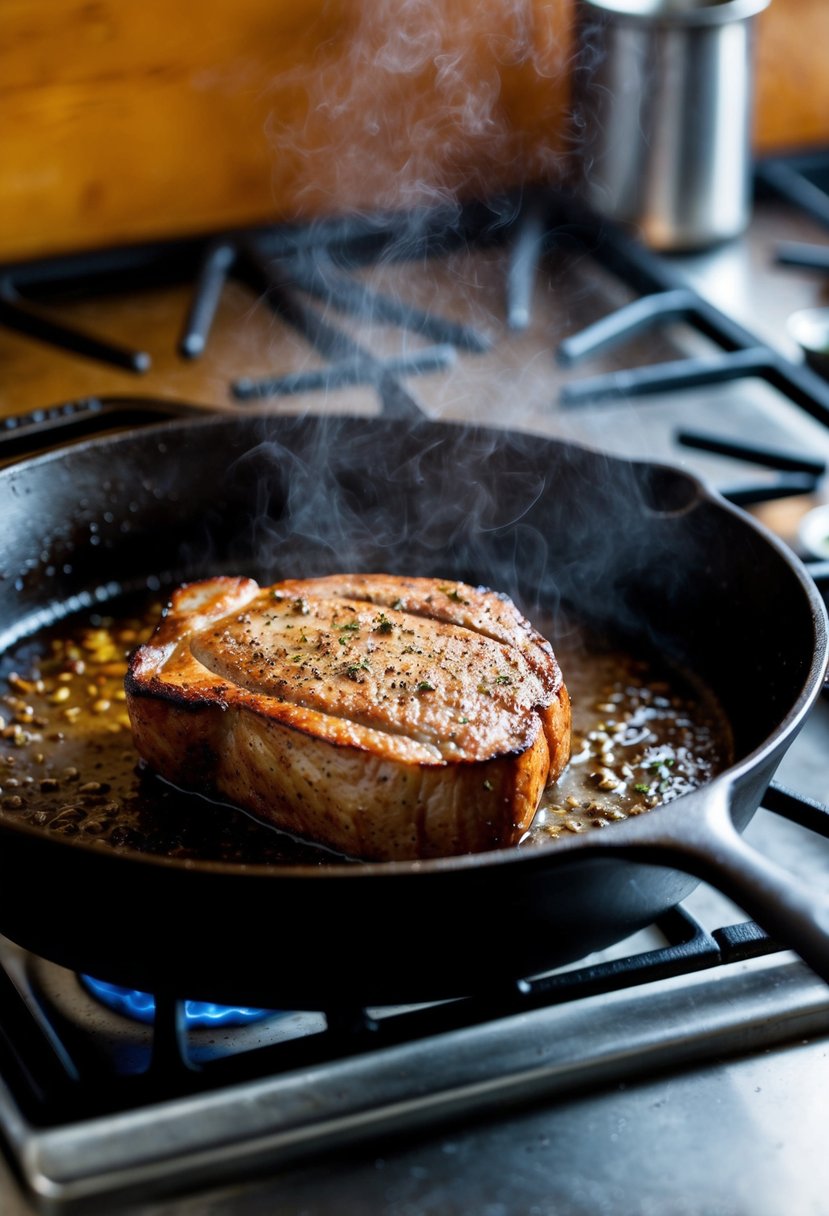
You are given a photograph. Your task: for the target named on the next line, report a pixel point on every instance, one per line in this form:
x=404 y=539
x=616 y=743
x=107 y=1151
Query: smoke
x=417 y=103
x=542 y=521
x=340 y=495
x=414 y=108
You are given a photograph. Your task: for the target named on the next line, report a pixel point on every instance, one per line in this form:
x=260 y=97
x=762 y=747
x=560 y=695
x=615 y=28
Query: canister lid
x=678 y=12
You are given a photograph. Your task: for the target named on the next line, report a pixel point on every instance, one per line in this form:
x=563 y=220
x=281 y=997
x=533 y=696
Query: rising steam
x=419 y=102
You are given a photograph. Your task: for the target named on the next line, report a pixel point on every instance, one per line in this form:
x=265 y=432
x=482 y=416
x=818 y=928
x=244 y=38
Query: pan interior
x=634 y=550
x=644 y=734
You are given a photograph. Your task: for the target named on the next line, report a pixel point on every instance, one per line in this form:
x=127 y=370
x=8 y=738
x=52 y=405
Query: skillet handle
x=709 y=846
x=24 y=435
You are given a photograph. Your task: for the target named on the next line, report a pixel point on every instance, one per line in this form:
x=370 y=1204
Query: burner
x=141 y=1006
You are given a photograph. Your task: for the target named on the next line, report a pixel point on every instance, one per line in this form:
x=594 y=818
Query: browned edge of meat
x=384 y=717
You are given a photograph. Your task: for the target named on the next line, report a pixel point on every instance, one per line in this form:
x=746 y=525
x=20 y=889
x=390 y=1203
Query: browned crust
x=346 y=792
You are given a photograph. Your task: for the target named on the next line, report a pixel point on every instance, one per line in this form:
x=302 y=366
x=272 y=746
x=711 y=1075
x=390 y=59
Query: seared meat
x=384 y=717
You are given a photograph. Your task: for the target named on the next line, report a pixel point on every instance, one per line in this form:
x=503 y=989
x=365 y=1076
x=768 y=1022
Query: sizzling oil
x=641 y=736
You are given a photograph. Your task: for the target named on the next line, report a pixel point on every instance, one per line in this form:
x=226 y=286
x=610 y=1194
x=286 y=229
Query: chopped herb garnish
x=463 y=721
x=297 y=658
x=642 y=789
x=452 y=593
x=349 y=627
x=503 y=680
x=425 y=686
x=383 y=624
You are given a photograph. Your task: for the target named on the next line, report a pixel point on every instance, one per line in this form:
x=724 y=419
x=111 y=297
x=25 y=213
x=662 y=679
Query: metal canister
x=662 y=111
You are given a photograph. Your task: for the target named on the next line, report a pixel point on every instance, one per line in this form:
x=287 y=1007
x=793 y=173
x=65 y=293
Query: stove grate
x=57 y=1080
x=801 y=179
x=665 y=298
x=20 y=314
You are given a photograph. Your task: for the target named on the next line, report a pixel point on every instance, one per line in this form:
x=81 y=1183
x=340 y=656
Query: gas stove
x=681 y=1070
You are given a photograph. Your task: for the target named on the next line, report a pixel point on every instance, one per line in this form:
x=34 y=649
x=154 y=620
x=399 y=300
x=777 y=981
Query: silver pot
x=662 y=107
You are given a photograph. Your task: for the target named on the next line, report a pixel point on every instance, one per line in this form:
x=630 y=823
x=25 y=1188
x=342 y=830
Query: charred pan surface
x=388 y=718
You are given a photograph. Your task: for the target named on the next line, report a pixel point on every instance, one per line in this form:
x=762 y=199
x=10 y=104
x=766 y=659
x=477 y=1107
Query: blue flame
x=140 y=1006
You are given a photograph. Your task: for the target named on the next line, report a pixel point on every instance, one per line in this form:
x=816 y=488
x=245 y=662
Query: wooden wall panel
x=792 y=108
x=123 y=120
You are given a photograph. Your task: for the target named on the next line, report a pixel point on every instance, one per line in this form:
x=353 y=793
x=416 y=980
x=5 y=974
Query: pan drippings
x=641 y=736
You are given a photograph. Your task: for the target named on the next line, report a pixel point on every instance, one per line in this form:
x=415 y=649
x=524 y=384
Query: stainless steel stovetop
x=701 y=1092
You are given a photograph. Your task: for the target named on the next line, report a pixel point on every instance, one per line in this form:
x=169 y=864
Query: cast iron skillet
x=641 y=547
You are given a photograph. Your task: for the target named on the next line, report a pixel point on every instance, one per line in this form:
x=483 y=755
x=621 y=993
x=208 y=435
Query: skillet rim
x=538 y=855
